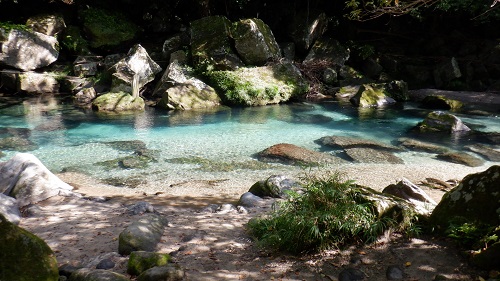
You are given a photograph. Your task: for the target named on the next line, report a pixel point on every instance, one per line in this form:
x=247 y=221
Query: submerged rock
x=296 y=155
x=17 y=143
x=369 y=155
x=461 y=158
x=485 y=151
x=421 y=145
x=349 y=142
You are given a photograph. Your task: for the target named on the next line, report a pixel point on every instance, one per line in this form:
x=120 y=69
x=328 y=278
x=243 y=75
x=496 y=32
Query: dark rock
x=47 y=24
x=170 y=272
x=306 y=28
x=295 y=155
x=487 y=258
x=140 y=261
x=370 y=155
x=105 y=264
x=250 y=200
x=24 y=255
x=275 y=186
x=327 y=50
x=394 y=272
x=446 y=72
x=441 y=102
x=67 y=269
x=461 y=158
x=351 y=274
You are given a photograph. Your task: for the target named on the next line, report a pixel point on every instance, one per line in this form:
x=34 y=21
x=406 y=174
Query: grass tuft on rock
x=331 y=213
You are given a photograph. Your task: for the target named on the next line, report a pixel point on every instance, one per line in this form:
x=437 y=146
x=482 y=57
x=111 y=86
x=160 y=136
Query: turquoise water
x=69 y=138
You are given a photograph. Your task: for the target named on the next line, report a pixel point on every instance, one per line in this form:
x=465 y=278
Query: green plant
x=472 y=235
x=331 y=213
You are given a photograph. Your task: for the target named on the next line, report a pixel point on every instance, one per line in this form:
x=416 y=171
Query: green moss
x=141 y=261
x=8 y=26
x=73 y=41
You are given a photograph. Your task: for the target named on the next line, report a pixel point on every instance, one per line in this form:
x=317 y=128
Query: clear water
x=71 y=138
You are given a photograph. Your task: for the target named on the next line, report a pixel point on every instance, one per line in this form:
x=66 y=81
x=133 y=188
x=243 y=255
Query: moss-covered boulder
x=170 y=272
x=259 y=85
x=439 y=121
x=441 y=102
x=24 y=256
x=140 y=261
x=376 y=95
x=107 y=28
x=142 y=235
x=254 y=42
x=118 y=102
x=476 y=199
x=181 y=90
x=327 y=50
x=211 y=45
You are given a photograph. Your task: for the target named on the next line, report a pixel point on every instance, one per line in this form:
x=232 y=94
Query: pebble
x=105 y=264
x=394 y=272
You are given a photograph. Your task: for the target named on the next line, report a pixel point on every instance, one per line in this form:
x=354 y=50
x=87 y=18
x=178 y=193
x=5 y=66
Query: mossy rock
x=438 y=121
x=259 y=85
x=140 y=261
x=441 y=102
x=106 y=28
x=118 y=102
x=87 y=274
x=24 y=256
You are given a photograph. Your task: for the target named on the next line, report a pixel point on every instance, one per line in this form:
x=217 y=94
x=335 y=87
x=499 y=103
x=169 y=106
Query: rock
x=211 y=45
x=275 y=186
x=73 y=42
x=438 y=121
x=105 y=264
x=29 y=181
x=254 y=42
x=85 y=96
x=142 y=235
x=487 y=258
x=350 y=142
x=104 y=28
x=24 y=255
x=329 y=76
x=85 y=66
x=136 y=66
x=259 y=85
x=9 y=209
x=17 y=143
x=28 y=50
x=327 y=50
x=476 y=199
x=307 y=28
x=372 y=95
x=461 y=158
x=171 y=45
x=50 y=25
x=370 y=155
x=288 y=50
x=118 y=102
x=87 y=274
x=226 y=208
x=410 y=192
x=441 y=102
x=140 y=208
x=67 y=269
x=296 y=155
x=140 y=261
x=446 y=72
x=212 y=208
x=128 y=145
x=170 y=272
x=351 y=274
x=250 y=200
x=394 y=272
x=179 y=89
x=421 y=146
x=30 y=82
x=485 y=151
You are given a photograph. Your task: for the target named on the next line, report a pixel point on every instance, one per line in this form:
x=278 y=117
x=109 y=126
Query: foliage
x=331 y=213
x=8 y=26
x=472 y=235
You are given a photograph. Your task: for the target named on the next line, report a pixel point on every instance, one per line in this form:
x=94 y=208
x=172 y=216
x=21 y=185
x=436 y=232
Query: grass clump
x=332 y=212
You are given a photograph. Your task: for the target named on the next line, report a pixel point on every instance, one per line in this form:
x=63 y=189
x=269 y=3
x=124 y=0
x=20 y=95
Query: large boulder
x=24 y=256
x=259 y=85
x=118 y=102
x=254 y=42
x=140 y=261
x=170 y=272
x=327 y=50
x=439 y=121
x=377 y=95
x=138 y=66
x=9 y=209
x=446 y=71
x=476 y=199
x=105 y=28
x=26 y=50
x=30 y=82
x=211 y=45
x=413 y=194
x=296 y=155
x=25 y=178
x=179 y=89
x=142 y=235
